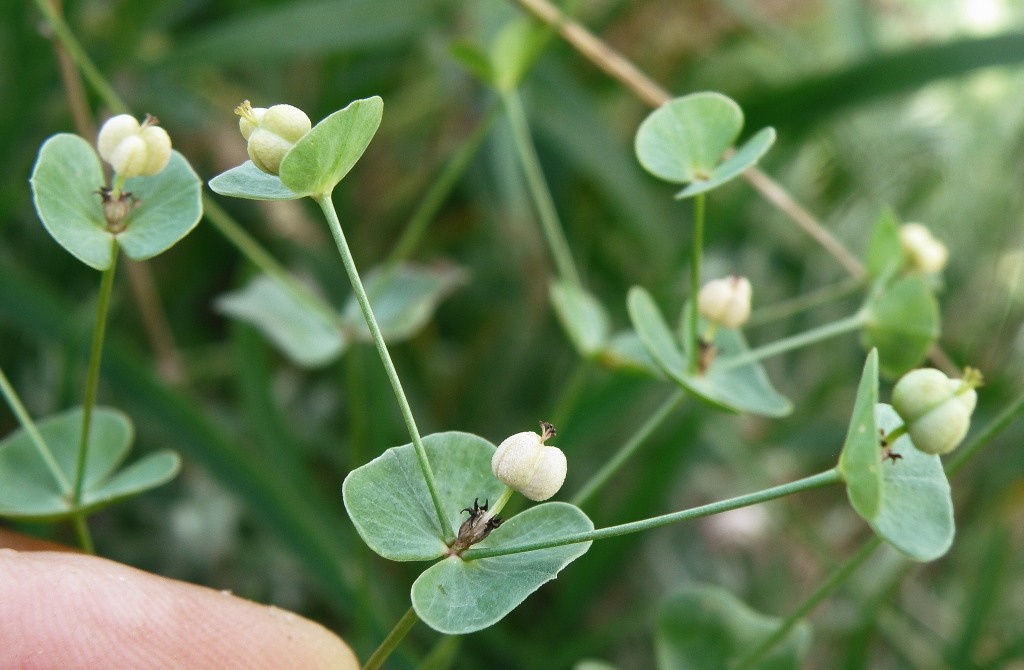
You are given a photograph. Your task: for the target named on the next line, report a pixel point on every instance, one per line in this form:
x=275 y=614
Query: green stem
x=29 y=426
x=542 y=199
x=92 y=378
x=78 y=522
x=391 y=642
x=697 y=253
x=601 y=477
x=801 y=303
x=327 y=205
x=500 y=502
x=814 y=481
x=793 y=342
x=838 y=576
x=1009 y=414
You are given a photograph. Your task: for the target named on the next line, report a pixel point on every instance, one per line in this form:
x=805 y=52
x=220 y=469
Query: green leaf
x=250 y=182
x=306 y=335
x=736 y=388
x=455 y=596
x=29 y=491
x=707 y=627
x=473 y=58
x=906 y=501
x=625 y=351
x=885 y=255
x=391 y=507
x=684 y=141
x=860 y=461
x=581 y=315
x=515 y=48
x=65 y=184
x=903 y=323
x=325 y=154
x=403 y=299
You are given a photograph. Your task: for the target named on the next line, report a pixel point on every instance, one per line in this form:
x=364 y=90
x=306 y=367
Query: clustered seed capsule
x=725 y=302
x=524 y=463
x=936 y=409
x=134 y=149
x=923 y=252
x=271 y=132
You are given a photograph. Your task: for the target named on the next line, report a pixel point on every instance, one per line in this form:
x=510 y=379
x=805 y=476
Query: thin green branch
x=807 y=301
x=696 y=254
x=793 y=342
x=814 y=481
x=997 y=425
x=327 y=205
x=81 y=527
x=539 y=192
x=391 y=642
x=92 y=378
x=29 y=426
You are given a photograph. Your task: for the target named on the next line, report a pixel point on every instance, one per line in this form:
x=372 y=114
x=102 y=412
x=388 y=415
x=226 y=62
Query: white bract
x=923 y=252
x=936 y=409
x=271 y=132
x=134 y=149
x=524 y=463
x=725 y=302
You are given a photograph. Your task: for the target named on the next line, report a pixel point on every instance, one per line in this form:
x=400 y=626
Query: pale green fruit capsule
x=725 y=302
x=936 y=409
x=524 y=463
x=271 y=132
x=923 y=252
x=134 y=149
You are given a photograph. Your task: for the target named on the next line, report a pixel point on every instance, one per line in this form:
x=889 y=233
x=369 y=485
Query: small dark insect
x=887 y=451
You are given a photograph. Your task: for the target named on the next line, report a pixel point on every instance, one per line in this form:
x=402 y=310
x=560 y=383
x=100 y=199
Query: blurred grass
x=887 y=106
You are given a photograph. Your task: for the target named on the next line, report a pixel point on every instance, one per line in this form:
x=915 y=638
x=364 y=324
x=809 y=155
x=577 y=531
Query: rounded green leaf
x=391 y=507
x=581 y=315
x=65 y=184
x=168 y=206
x=455 y=596
x=860 y=461
x=307 y=336
x=903 y=323
x=743 y=387
x=684 y=141
x=885 y=254
x=30 y=491
x=708 y=627
x=249 y=182
x=325 y=154
x=625 y=351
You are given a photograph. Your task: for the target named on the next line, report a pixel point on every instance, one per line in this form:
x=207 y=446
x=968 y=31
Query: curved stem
x=391 y=642
x=327 y=205
x=1009 y=414
x=542 y=199
x=697 y=252
x=33 y=433
x=92 y=378
x=793 y=342
x=814 y=481
x=801 y=303
x=601 y=477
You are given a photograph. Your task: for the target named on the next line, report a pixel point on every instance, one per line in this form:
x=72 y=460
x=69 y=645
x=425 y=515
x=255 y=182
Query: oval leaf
x=169 y=205
x=885 y=254
x=65 y=183
x=708 y=627
x=325 y=154
x=903 y=323
x=390 y=505
x=249 y=182
x=456 y=596
x=582 y=316
x=307 y=336
x=654 y=332
x=860 y=461
x=744 y=157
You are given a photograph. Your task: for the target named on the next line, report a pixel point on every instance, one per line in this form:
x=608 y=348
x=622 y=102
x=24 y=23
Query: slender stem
x=793 y=342
x=838 y=576
x=92 y=378
x=500 y=502
x=801 y=303
x=391 y=642
x=542 y=199
x=1009 y=414
x=697 y=251
x=327 y=205
x=29 y=426
x=814 y=481
x=81 y=527
x=601 y=477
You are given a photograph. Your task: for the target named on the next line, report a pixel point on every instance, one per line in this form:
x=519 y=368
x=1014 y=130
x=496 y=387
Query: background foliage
x=915 y=105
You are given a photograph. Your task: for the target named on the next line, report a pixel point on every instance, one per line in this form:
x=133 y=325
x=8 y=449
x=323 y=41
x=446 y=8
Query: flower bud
x=524 y=463
x=271 y=132
x=134 y=149
x=936 y=409
x=923 y=252
x=725 y=302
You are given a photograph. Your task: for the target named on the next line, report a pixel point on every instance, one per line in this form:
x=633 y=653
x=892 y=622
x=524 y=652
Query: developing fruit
x=271 y=132
x=725 y=302
x=923 y=252
x=134 y=149
x=936 y=409
x=524 y=463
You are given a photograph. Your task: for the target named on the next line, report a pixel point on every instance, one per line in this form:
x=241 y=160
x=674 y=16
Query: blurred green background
x=914 y=105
